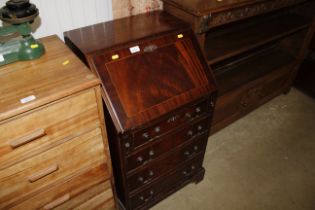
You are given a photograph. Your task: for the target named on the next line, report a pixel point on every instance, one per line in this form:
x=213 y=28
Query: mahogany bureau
x=53 y=145
x=159 y=94
x=253 y=46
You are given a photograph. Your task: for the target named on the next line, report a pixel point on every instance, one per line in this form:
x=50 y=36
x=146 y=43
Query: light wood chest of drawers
x=53 y=143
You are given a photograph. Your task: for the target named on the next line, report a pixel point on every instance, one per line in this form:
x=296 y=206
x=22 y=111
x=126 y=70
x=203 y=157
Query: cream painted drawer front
x=71 y=193
x=44 y=128
x=57 y=164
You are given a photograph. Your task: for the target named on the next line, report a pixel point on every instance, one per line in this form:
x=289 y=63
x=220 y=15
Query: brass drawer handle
x=28 y=138
x=146 y=135
x=57 y=202
x=140 y=159
x=41 y=174
x=148 y=198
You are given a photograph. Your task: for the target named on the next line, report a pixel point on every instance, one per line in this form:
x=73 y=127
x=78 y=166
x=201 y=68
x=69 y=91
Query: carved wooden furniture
x=159 y=94
x=53 y=145
x=254 y=48
x=305 y=79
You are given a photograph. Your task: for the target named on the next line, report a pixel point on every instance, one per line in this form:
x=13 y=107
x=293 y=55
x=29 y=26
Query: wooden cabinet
x=53 y=143
x=305 y=79
x=159 y=93
x=254 y=48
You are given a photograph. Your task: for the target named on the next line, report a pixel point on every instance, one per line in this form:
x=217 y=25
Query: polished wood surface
x=51 y=145
x=120 y=32
x=254 y=48
x=39 y=79
x=221 y=44
x=159 y=104
x=204 y=15
x=202 y=7
x=138 y=93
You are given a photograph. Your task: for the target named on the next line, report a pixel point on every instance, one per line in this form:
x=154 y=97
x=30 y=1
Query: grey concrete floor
x=264 y=161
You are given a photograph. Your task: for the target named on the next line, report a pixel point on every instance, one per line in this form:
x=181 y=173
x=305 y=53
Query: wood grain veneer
x=53 y=147
x=247 y=44
x=159 y=102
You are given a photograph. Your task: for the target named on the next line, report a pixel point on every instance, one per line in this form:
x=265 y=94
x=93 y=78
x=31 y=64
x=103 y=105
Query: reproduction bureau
x=253 y=46
x=53 y=145
x=159 y=93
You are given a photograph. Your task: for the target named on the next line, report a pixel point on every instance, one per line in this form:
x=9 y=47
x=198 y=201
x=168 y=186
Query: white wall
x=57 y=16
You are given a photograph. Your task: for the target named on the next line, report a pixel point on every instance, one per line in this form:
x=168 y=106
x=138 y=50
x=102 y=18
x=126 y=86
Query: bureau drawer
x=71 y=191
x=57 y=164
x=41 y=129
x=167 y=143
x=178 y=118
x=167 y=185
x=160 y=167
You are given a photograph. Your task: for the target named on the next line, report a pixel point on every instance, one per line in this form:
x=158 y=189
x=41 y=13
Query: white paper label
x=1 y=58
x=28 y=99
x=134 y=49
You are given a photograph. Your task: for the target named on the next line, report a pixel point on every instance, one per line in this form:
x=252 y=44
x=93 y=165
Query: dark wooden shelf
x=250 y=67
x=305 y=80
x=221 y=44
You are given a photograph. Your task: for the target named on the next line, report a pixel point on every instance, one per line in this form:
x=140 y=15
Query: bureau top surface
x=121 y=31
x=202 y=7
x=25 y=85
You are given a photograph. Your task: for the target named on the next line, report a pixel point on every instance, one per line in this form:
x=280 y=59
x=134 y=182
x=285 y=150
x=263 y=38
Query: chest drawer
x=167 y=143
x=51 y=167
x=166 y=186
x=102 y=200
x=67 y=192
x=160 y=167
x=174 y=120
x=44 y=128
x=98 y=197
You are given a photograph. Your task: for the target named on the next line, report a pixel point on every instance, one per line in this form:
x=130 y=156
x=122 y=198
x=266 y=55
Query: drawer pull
x=141 y=179
x=199 y=127
x=150 y=48
x=57 y=202
x=185 y=173
x=151 y=173
x=157 y=129
x=189 y=173
x=140 y=159
x=188 y=115
x=127 y=145
x=187 y=153
x=196 y=148
x=151 y=153
x=173 y=119
x=145 y=135
x=28 y=138
x=43 y=173
x=150 y=197
x=198 y=110
x=212 y=104
x=190 y=133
